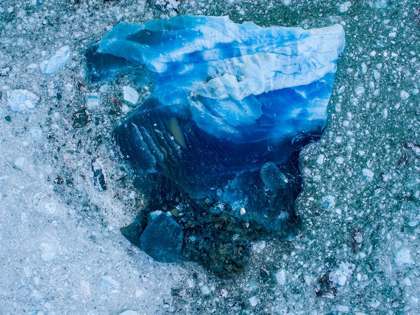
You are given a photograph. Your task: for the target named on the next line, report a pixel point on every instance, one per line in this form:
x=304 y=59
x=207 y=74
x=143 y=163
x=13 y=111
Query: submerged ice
x=218 y=140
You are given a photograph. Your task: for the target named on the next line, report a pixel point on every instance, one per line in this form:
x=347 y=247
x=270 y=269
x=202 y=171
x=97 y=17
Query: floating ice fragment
x=368 y=174
x=162 y=239
x=281 y=277
x=50 y=208
x=345 y=7
x=85 y=288
x=205 y=290
x=130 y=95
x=359 y=90
x=340 y=275
x=109 y=282
x=328 y=202
x=407 y=282
x=20 y=163
x=93 y=101
x=320 y=159
x=253 y=301
x=168 y=5
x=381 y=4
x=343 y=308
x=47 y=252
x=129 y=312
x=36 y=132
x=339 y=160
x=21 y=100
x=56 y=61
x=403 y=258
x=404 y=95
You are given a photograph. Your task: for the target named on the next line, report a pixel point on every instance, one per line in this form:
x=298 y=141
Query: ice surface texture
x=231 y=104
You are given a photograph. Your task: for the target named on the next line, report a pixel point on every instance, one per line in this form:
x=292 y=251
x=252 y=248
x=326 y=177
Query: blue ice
x=228 y=99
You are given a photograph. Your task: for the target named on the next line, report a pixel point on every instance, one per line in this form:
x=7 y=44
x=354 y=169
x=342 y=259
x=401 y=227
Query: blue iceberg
x=232 y=106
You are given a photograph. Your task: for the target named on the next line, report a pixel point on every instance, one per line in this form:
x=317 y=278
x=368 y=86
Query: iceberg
x=233 y=104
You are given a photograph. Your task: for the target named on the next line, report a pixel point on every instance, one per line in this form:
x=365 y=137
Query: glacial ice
x=130 y=95
x=21 y=100
x=56 y=61
x=162 y=239
x=232 y=106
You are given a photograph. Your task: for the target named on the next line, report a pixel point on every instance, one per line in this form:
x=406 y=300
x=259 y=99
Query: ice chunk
x=328 y=202
x=344 y=7
x=162 y=239
x=340 y=276
x=93 y=101
x=56 y=61
x=404 y=95
x=381 y=4
x=368 y=174
x=109 y=282
x=403 y=257
x=36 y=132
x=253 y=301
x=21 y=100
x=47 y=252
x=130 y=95
x=205 y=290
x=20 y=163
x=281 y=277
x=232 y=106
x=230 y=89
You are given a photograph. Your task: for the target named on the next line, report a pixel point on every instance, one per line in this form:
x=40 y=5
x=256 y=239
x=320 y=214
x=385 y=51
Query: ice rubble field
x=64 y=194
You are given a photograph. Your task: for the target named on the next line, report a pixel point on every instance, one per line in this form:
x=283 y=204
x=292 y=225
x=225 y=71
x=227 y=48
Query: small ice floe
x=109 y=282
x=253 y=301
x=381 y=4
x=205 y=290
x=130 y=95
x=85 y=288
x=93 y=100
x=340 y=276
x=403 y=258
x=21 y=100
x=320 y=160
x=344 y=7
x=47 y=252
x=56 y=61
x=328 y=202
x=342 y=308
x=281 y=277
x=20 y=163
x=404 y=95
x=129 y=312
x=35 y=132
x=168 y=5
x=367 y=174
